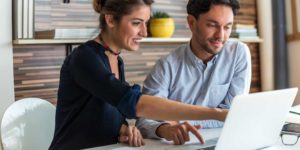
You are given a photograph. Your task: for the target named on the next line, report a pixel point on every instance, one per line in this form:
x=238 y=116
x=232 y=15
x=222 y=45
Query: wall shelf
x=145 y=40
x=248 y=40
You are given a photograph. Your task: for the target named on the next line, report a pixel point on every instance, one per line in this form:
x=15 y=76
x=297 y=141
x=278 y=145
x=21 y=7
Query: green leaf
x=160 y=14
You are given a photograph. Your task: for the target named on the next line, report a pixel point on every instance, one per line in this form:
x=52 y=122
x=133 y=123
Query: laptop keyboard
x=208 y=148
x=212 y=141
x=211 y=144
x=208 y=145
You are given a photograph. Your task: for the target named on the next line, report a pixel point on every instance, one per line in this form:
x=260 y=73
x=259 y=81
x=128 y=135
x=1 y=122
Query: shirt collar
x=197 y=60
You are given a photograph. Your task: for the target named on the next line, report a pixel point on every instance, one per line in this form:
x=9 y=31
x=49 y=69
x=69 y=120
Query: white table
x=165 y=145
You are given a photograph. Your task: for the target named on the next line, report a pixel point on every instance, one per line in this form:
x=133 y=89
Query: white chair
x=28 y=124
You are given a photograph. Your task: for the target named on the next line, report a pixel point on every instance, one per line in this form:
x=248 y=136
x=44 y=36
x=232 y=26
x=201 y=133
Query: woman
x=94 y=98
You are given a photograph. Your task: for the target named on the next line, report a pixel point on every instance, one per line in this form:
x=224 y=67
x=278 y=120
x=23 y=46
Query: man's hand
x=178 y=133
x=131 y=135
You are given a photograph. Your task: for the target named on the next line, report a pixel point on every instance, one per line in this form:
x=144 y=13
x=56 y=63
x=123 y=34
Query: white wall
x=264 y=10
x=6 y=57
x=294 y=66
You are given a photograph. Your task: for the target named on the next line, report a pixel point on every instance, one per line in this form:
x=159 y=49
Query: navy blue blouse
x=92 y=104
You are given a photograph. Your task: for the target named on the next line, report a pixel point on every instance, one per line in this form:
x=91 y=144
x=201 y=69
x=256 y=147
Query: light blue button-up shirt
x=183 y=77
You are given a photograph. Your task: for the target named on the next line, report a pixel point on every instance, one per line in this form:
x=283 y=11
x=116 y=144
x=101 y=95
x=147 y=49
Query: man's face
x=212 y=29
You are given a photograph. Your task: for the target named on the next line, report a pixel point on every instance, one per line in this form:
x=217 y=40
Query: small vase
x=162 y=27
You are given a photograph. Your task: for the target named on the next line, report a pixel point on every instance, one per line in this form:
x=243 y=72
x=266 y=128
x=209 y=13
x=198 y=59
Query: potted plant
x=161 y=24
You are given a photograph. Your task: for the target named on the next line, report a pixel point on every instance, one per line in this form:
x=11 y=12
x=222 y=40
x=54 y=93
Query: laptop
x=253 y=122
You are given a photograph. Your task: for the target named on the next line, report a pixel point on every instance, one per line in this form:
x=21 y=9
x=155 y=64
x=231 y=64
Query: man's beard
x=209 y=50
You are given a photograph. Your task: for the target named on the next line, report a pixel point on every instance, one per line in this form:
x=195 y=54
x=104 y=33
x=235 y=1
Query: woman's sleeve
x=90 y=73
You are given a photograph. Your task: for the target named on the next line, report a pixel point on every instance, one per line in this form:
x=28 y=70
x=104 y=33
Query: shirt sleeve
x=240 y=83
x=148 y=127
x=157 y=81
x=90 y=73
x=155 y=84
x=206 y=124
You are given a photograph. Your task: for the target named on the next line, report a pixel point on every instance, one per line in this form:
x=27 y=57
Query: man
x=208 y=71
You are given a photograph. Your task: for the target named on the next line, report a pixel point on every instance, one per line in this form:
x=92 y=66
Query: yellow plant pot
x=162 y=27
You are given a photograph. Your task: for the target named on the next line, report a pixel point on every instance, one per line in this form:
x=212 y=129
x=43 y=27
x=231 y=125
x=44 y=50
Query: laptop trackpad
x=208 y=145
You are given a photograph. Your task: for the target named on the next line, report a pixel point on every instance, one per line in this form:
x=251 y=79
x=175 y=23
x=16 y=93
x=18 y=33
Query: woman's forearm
x=157 y=108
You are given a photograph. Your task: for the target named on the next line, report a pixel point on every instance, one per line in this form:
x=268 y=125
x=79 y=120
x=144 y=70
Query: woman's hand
x=131 y=135
x=179 y=132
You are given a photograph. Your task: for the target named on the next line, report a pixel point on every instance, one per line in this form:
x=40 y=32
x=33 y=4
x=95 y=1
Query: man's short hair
x=197 y=7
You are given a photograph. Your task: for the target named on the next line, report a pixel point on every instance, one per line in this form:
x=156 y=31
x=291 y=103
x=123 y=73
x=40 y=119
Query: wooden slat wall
x=138 y=64
x=36 y=70
x=36 y=67
x=256 y=81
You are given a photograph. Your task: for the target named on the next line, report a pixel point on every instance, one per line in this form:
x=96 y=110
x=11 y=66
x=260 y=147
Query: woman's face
x=132 y=28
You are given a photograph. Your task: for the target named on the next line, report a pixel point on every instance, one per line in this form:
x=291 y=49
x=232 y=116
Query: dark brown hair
x=117 y=8
x=197 y=7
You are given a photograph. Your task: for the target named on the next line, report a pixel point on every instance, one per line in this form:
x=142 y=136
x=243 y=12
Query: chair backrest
x=28 y=124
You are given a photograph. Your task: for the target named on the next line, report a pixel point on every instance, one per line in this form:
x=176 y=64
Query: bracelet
x=130 y=122
x=126 y=123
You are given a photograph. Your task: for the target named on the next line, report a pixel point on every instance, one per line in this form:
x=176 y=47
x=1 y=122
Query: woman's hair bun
x=97 y=4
